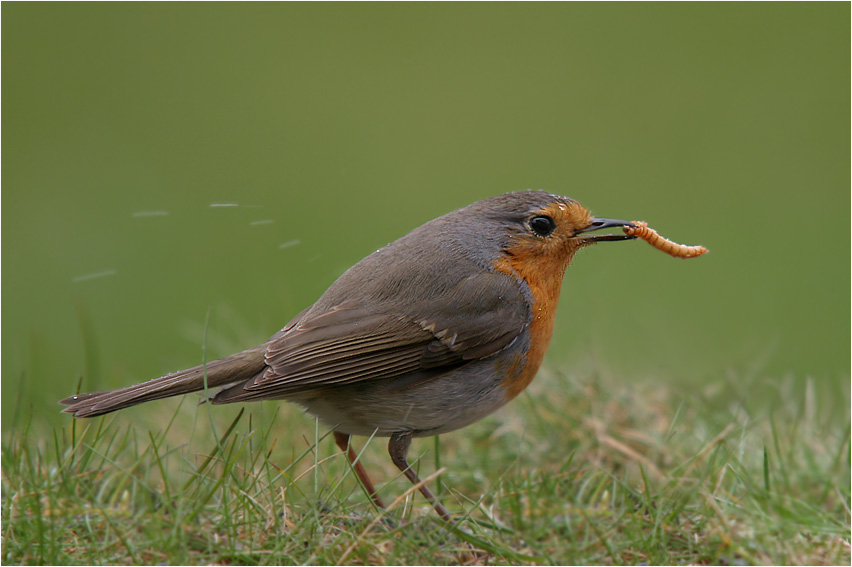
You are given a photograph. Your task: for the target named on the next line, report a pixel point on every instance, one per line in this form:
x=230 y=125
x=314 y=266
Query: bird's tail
x=235 y=368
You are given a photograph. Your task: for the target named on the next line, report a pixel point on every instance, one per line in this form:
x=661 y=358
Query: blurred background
x=178 y=175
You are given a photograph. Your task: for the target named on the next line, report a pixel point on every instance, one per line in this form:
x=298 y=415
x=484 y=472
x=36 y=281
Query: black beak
x=599 y=224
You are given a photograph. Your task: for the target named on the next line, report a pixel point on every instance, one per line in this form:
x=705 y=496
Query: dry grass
x=581 y=470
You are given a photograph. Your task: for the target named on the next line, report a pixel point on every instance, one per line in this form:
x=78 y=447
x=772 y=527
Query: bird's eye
x=542 y=225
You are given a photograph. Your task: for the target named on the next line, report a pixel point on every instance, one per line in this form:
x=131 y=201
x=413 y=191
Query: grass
x=580 y=470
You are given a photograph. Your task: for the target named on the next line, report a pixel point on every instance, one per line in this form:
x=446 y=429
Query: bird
x=429 y=334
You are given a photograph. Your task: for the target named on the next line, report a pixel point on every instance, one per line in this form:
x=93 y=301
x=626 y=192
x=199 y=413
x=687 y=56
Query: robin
x=427 y=335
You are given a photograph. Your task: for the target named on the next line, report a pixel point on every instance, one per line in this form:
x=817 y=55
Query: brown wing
x=351 y=343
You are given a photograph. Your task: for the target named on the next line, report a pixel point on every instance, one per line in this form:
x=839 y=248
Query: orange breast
x=541 y=261
x=543 y=274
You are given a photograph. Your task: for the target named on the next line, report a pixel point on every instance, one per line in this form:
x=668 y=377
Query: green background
x=347 y=125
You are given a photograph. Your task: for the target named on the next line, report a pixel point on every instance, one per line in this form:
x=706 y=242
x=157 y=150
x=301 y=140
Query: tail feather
x=229 y=370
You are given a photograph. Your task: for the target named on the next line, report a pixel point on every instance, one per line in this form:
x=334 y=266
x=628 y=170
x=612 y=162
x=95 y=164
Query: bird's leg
x=342 y=440
x=398 y=449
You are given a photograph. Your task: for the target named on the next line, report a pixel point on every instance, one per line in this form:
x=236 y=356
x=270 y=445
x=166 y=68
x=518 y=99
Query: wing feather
x=350 y=343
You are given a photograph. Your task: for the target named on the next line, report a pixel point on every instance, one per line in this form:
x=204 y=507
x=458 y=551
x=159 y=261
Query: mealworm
x=649 y=235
